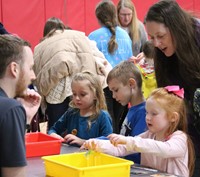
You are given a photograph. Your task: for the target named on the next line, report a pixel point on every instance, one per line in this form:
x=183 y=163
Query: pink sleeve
x=106 y=147
x=175 y=146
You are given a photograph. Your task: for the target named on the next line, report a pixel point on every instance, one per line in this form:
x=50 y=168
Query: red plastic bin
x=40 y=144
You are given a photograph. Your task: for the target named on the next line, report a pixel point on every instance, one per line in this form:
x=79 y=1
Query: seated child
x=166 y=145
x=87 y=116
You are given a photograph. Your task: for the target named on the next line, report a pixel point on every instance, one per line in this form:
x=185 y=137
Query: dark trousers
x=195 y=136
x=55 y=111
x=197 y=167
x=116 y=110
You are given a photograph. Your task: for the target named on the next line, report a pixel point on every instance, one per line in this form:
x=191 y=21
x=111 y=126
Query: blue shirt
x=134 y=124
x=124 y=51
x=71 y=119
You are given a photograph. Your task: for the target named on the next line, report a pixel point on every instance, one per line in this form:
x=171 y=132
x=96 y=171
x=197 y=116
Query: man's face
x=26 y=74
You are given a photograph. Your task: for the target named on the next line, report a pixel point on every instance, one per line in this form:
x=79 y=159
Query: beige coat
x=59 y=57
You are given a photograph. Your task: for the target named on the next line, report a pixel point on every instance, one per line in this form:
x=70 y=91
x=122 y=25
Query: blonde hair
x=134 y=32
x=173 y=103
x=96 y=88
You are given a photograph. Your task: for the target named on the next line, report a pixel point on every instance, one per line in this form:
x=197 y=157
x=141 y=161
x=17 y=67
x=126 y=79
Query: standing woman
x=116 y=45
x=128 y=20
x=58 y=57
x=176 y=37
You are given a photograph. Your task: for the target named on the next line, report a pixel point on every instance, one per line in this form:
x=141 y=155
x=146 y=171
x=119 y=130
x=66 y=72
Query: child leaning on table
x=165 y=145
x=125 y=83
x=87 y=116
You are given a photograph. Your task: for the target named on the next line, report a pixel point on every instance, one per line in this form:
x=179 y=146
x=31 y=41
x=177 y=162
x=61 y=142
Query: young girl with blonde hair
x=87 y=116
x=165 y=145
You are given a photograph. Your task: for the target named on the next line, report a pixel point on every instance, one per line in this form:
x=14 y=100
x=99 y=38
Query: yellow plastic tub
x=82 y=165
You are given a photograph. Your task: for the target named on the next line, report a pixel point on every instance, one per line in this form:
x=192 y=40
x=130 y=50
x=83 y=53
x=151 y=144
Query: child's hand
x=57 y=136
x=90 y=145
x=72 y=139
x=140 y=56
x=117 y=139
x=136 y=59
x=103 y=146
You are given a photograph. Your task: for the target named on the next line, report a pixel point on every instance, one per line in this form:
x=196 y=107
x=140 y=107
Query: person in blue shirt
x=111 y=40
x=125 y=82
x=87 y=116
x=116 y=45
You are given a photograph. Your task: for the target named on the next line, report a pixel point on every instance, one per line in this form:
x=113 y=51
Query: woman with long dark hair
x=176 y=36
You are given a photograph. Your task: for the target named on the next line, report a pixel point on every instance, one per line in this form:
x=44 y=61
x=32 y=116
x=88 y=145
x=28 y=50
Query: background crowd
x=104 y=86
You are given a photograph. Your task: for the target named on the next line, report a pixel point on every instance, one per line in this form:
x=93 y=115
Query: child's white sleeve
x=174 y=146
x=105 y=146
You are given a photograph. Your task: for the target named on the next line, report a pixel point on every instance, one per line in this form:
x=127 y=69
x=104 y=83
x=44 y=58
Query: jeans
x=55 y=111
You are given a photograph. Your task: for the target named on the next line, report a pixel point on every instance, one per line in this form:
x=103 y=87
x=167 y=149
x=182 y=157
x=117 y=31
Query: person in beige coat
x=58 y=57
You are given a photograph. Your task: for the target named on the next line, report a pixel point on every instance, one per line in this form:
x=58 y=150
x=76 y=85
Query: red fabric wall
x=26 y=18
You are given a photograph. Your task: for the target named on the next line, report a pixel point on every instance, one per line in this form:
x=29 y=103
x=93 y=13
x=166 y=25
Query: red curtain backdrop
x=26 y=18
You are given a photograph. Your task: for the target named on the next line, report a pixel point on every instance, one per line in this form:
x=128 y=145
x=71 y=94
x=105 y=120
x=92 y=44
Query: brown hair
x=148 y=49
x=184 y=29
x=51 y=25
x=107 y=15
x=11 y=50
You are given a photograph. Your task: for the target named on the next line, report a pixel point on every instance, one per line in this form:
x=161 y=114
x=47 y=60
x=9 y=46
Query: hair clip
x=176 y=90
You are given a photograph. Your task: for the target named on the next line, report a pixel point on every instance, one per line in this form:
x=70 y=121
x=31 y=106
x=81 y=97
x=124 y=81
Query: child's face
x=121 y=93
x=83 y=96
x=156 y=118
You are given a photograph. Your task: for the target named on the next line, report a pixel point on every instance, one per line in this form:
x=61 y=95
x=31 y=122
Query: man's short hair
x=11 y=50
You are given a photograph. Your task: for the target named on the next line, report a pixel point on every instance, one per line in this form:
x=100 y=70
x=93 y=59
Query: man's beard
x=21 y=85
